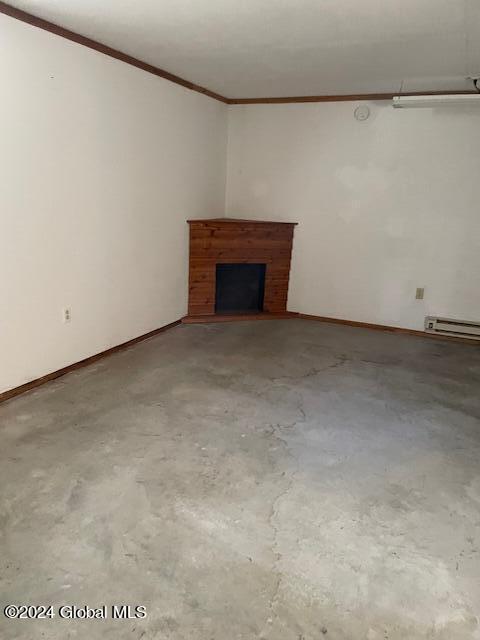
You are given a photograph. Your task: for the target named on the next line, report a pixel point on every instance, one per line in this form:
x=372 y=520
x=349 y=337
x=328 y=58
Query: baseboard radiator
x=450 y=327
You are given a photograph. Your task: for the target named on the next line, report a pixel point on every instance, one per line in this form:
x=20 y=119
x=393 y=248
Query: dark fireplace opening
x=239 y=288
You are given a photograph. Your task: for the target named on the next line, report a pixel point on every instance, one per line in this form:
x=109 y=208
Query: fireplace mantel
x=216 y=241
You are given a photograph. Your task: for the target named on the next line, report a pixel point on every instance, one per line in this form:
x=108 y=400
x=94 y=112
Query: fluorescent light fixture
x=447 y=100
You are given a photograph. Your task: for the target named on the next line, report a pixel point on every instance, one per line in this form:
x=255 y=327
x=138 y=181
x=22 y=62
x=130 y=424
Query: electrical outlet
x=420 y=293
x=67 y=315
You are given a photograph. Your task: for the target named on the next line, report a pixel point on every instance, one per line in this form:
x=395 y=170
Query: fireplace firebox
x=239 y=288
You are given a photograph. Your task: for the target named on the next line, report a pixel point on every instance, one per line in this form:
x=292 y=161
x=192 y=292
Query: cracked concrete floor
x=285 y=480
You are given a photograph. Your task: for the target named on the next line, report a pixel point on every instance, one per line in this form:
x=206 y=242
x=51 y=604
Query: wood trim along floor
x=23 y=16
x=288 y=315
x=281 y=315
x=292 y=315
x=28 y=386
x=56 y=29
x=387 y=328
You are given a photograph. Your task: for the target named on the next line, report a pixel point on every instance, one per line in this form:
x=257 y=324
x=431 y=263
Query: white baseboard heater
x=450 y=327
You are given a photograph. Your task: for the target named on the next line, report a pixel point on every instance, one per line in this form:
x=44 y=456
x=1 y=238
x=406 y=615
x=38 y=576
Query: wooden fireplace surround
x=229 y=240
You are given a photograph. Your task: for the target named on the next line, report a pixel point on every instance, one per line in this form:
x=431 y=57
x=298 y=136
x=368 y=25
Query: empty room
x=240 y=320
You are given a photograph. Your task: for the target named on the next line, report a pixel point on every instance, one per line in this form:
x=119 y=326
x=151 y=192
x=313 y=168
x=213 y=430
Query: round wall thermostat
x=361 y=113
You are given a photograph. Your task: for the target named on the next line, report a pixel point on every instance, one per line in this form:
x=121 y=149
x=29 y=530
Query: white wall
x=100 y=166
x=383 y=206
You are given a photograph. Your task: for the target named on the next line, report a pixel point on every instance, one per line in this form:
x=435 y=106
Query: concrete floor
x=286 y=480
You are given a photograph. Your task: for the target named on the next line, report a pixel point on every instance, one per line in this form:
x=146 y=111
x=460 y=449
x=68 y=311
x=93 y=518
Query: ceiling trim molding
x=344 y=97
x=23 y=16
x=40 y=23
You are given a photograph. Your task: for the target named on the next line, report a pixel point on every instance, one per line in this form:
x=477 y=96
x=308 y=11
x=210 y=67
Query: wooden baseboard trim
x=387 y=328
x=28 y=386
x=287 y=315
x=283 y=315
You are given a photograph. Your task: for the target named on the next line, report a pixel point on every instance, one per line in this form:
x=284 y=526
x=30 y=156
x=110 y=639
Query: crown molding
x=40 y=23
x=23 y=16
x=344 y=97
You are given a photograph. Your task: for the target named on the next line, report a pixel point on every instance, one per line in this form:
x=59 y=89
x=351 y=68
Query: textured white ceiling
x=256 y=48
